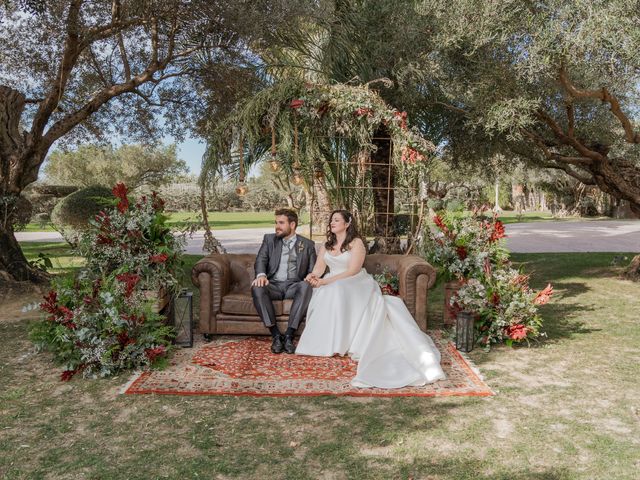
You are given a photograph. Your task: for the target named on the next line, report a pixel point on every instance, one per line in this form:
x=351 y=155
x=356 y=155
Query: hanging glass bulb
x=274 y=164
x=297 y=178
x=241 y=189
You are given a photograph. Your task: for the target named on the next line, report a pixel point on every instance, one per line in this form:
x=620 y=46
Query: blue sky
x=191 y=151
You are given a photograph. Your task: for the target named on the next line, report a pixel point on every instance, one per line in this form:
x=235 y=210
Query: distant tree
x=135 y=165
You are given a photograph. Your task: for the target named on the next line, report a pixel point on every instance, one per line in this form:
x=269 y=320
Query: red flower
x=296 y=103
x=362 y=111
x=133 y=318
x=543 y=296
x=517 y=331
x=50 y=304
x=104 y=220
x=120 y=191
x=498 y=231
x=153 y=353
x=403 y=119
x=487 y=267
x=124 y=339
x=521 y=280
x=156 y=202
x=389 y=290
x=67 y=375
x=440 y=223
x=462 y=252
x=160 y=258
x=131 y=280
x=409 y=155
x=495 y=299
x=102 y=239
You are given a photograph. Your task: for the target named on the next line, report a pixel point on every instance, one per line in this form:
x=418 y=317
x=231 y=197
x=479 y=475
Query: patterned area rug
x=246 y=366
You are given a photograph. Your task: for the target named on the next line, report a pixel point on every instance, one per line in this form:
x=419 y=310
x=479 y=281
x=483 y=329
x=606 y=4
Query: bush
x=22 y=213
x=71 y=215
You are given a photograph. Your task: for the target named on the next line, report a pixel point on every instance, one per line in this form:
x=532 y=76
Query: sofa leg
x=208 y=337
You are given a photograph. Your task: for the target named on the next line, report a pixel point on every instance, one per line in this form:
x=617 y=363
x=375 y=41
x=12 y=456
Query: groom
x=282 y=263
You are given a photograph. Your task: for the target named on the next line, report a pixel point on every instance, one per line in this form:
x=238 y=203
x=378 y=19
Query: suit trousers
x=299 y=291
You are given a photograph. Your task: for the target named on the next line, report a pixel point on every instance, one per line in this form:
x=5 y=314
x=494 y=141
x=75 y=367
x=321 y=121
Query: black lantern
x=464 y=331
x=183 y=318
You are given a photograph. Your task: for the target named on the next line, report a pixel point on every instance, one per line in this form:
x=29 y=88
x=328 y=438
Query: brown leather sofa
x=226 y=306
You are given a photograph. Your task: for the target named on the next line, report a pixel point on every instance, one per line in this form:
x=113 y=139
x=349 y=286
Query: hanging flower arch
x=315 y=113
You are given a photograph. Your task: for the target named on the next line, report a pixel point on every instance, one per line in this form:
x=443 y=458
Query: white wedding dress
x=351 y=316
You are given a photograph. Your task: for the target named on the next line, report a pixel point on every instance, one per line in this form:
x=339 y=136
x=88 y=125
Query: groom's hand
x=261 y=281
x=310 y=278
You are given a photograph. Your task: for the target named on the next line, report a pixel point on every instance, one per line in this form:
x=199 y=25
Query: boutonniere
x=300 y=247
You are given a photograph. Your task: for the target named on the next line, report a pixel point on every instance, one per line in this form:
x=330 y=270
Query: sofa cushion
x=286 y=306
x=242 y=304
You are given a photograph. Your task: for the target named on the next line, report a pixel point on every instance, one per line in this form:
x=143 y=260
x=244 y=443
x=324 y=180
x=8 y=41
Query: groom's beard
x=283 y=233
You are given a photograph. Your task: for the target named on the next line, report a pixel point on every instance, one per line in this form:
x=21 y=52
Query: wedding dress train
x=351 y=316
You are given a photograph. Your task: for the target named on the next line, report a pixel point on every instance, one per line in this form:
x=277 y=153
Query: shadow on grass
x=364 y=440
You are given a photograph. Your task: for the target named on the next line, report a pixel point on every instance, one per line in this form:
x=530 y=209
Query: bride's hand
x=309 y=278
x=320 y=282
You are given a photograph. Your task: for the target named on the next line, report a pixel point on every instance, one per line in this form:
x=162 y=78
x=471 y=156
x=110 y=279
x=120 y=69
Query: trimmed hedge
x=75 y=210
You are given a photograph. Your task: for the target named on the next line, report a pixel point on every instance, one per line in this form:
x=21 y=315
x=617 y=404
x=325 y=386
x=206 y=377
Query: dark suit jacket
x=268 y=258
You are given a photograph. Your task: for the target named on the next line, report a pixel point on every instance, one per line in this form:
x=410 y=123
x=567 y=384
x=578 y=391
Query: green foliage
x=134 y=165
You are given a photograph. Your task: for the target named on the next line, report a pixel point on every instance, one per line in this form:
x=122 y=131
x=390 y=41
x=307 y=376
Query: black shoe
x=288 y=344
x=277 y=345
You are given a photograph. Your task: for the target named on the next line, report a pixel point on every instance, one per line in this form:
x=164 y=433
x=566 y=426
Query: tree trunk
x=633 y=270
x=14 y=266
x=382 y=180
x=19 y=164
x=621 y=179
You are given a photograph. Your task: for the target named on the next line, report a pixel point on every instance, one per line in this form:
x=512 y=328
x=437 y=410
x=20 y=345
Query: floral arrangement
x=507 y=308
x=465 y=247
x=100 y=321
x=469 y=250
x=388 y=282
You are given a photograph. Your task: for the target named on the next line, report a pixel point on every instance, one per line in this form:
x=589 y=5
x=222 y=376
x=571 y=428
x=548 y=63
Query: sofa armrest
x=415 y=276
x=212 y=275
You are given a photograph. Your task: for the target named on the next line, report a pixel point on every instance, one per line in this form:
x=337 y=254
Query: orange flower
x=498 y=231
x=543 y=296
x=517 y=331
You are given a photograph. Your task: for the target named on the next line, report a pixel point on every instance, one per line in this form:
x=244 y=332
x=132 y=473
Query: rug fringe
x=134 y=376
x=473 y=367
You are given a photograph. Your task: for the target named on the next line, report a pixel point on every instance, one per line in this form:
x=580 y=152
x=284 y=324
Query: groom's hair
x=291 y=215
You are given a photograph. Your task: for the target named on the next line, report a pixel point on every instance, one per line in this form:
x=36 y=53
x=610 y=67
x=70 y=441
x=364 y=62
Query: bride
x=349 y=315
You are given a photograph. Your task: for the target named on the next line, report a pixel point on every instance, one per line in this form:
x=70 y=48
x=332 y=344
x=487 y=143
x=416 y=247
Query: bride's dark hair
x=352 y=231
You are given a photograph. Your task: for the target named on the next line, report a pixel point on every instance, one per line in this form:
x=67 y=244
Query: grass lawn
x=218 y=220
x=567 y=408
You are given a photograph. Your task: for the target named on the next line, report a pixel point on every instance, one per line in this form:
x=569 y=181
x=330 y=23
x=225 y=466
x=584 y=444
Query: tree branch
x=538 y=140
x=604 y=95
x=116 y=11
x=571 y=118
x=71 y=52
x=587 y=180
x=452 y=108
x=566 y=139
x=154 y=41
